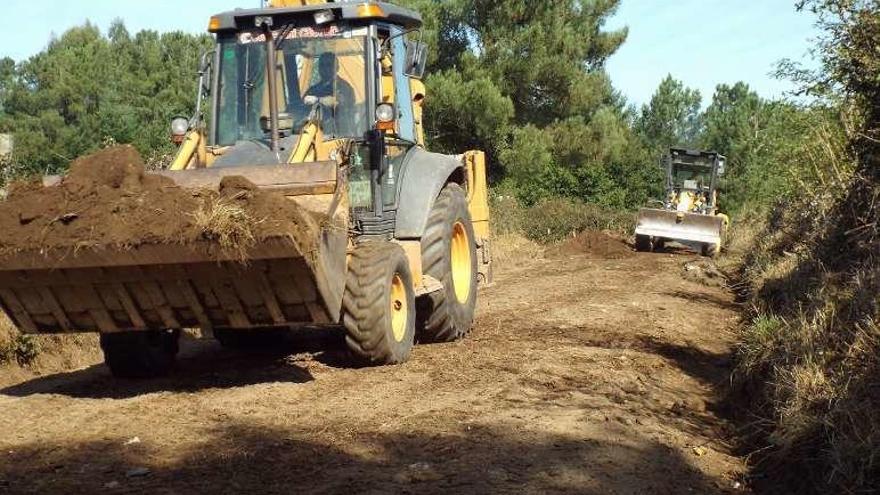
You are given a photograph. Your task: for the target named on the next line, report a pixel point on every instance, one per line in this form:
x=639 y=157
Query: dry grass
x=809 y=357
x=512 y=249
x=222 y=220
x=16 y=348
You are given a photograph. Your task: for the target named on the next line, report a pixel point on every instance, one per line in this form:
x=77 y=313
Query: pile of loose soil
x=108 y=200
x=593 y=243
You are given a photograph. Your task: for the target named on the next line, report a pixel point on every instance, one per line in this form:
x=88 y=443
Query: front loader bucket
x=280 y=281
x=171 y=286
x=678 y=226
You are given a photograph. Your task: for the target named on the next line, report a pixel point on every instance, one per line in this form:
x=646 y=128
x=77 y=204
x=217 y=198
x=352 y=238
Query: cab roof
x=692 y=152
x=243 y=19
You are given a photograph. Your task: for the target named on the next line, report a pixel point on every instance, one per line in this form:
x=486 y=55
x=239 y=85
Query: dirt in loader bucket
x=111 y=247
x=108 y=200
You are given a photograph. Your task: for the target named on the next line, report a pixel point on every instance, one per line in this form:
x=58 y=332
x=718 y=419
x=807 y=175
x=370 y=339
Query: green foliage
x=466 y=114
x=730 y=119
x=547 y=55
x=525 y=81
x=7 y=74
x=444 y=30
x=556 y=219
x=87 y=89
x=672 y=118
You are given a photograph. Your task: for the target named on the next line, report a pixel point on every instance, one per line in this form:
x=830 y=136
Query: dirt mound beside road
x=594 y=243
x=108 y=199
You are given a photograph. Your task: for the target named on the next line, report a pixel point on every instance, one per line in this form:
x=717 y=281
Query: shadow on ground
x=704 y=298
x=203 y=364
x=240 y=458
x=706 y=366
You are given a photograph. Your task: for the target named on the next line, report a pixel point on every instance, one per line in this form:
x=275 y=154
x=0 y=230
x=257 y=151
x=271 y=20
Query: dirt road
x=584 y=375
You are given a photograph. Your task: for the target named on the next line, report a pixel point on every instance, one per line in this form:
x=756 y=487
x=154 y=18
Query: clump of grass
x=223 y=220
x=756 y=338
x=809 y=357
x=16 y=347
x=511 y=249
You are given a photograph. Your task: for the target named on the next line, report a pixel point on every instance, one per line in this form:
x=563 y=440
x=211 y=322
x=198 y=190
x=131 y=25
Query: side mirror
x=722 y=166
x=416 y=59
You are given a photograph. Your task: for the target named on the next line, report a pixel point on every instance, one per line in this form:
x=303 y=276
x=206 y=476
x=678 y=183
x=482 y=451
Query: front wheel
x=141 y=355
x=659 y=245
x=711 y=250
x=643 y=243
x=379 y=304
x=449 y=254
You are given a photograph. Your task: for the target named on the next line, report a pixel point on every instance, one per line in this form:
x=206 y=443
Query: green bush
x=556 y=219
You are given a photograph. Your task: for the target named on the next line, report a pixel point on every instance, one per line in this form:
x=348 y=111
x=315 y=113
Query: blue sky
x=701 y=42
x=707 y=42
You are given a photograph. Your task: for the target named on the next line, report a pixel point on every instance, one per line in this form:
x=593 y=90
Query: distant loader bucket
x=678 y=226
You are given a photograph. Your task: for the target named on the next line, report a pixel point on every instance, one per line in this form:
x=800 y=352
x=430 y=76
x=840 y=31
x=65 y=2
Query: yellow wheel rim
x=399 y=308
x=461 y=263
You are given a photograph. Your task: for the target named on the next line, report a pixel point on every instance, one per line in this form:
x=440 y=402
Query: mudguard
x=424 y=176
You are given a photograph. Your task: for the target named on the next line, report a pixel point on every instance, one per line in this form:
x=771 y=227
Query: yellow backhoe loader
x=320 y=102
x=690 y=211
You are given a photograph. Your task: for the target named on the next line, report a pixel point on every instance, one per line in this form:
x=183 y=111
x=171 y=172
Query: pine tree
x=672 y=118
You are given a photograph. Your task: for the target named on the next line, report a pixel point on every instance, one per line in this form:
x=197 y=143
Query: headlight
x=179 y=127
x=385 y=113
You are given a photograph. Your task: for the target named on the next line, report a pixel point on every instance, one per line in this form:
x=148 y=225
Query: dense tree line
x=523 y=80
x=88 y=88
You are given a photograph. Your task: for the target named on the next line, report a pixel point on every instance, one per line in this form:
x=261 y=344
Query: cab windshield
x=320 y=70
x=691 y=176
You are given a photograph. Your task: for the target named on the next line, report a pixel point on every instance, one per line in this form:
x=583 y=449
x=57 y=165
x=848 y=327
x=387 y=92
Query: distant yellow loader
x=690 y=211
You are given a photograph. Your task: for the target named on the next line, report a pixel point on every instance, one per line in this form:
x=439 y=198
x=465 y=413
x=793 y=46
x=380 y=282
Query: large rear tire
x=449 y=254
x=379 y=305
x=139 y=355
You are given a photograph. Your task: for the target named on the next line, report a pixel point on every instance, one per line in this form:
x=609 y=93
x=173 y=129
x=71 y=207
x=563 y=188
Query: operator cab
x=335 y=63
x=693 y=175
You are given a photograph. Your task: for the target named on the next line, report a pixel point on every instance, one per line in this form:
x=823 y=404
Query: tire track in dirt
x=582 y=376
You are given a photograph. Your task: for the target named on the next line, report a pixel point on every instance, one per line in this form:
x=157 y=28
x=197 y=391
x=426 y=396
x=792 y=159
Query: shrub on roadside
x=809 y=356
x=556 y=219
x=15 y=347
